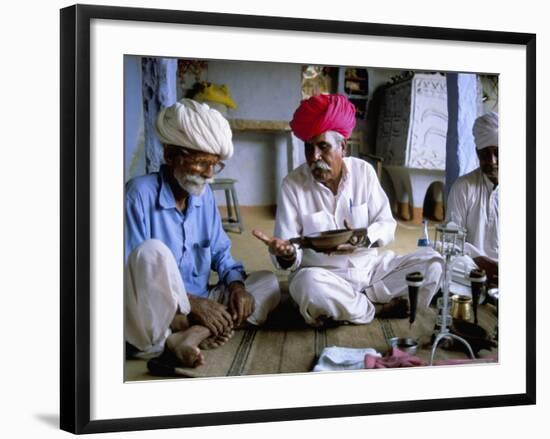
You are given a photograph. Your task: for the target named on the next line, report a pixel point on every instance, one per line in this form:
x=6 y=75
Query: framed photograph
x=416 y=92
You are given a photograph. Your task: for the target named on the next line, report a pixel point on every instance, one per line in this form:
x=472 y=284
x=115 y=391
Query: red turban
x=322 y=113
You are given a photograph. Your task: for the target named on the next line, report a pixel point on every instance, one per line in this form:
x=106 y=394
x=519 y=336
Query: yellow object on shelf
x=215 y=93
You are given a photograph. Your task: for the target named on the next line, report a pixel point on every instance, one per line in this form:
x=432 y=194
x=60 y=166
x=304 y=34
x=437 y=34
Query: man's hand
x=343 y=249
x=210 y=314
x=278 y=247
x=241 y=303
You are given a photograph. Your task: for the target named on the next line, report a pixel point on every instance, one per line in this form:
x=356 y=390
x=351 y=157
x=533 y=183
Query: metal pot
x=404 y=344
x=461 y=307
x=330 y=239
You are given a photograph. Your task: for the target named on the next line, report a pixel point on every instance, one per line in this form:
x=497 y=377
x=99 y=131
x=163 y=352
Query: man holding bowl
x=353 y=282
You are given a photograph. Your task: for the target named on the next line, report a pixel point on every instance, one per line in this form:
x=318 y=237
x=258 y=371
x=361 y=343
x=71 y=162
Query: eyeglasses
x=201 y=164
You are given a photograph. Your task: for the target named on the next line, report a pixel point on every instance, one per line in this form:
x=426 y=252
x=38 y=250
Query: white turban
x=486 y=130
x=196 y=126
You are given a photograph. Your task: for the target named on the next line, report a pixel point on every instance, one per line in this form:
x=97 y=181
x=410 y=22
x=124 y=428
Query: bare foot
x=185 y=345
x=397 y=308
x=179 y=323
x=215 y=341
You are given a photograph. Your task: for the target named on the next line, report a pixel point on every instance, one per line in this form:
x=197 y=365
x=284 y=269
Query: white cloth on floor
x=344 y=287
x=154 y=290
x=340 y=358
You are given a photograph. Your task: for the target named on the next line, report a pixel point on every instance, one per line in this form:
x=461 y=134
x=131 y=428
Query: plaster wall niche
x=412 y=132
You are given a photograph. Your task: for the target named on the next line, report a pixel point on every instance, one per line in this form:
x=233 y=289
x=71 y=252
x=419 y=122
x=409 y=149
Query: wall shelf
x=259 y=125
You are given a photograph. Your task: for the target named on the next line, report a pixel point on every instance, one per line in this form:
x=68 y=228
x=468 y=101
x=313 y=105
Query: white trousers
x=349 y=294
x=154 y=292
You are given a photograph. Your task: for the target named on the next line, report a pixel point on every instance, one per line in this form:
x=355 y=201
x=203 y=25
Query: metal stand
x=448 y=247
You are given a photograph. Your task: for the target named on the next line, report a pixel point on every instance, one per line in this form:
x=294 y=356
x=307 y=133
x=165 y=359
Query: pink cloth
x=397 y=358
x=457 y=361
x=322 y=113
x=394 y=358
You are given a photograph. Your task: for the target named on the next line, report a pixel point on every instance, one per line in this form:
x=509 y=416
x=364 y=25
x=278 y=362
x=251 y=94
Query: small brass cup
x=461 y=307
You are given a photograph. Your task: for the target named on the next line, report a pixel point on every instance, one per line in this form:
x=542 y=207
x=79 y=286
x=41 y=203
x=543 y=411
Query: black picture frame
x=75 y=217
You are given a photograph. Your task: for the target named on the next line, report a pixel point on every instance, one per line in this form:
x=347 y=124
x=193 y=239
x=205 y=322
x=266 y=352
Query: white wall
x=262 y=91
x=30 y=198
x=256 y=164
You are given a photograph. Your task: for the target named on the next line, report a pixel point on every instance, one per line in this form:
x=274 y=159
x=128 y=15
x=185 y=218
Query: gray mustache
x=319 y=164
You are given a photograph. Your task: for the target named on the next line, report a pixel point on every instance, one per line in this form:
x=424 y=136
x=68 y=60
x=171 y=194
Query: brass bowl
x=329 y=240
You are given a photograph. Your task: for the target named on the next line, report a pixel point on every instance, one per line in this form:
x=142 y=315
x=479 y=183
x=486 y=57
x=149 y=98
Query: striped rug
x=286 y=345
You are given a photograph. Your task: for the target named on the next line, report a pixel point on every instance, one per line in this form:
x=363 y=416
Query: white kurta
x=154 y=292
x=473 y=204
x=344 y=287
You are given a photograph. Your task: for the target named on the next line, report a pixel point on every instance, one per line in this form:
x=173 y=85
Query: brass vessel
x=461 y=307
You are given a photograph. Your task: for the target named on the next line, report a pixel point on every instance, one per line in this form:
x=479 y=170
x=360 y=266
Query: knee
x=309 y=286
x=265 y=282
x=434 y=272
x=268 y=279
x=264 y=287
x=301 y=283
x=150 y=248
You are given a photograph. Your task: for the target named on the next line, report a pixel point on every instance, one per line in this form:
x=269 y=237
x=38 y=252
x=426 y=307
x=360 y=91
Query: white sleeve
x=381 y=222
x=457 y=205
x=474 y=252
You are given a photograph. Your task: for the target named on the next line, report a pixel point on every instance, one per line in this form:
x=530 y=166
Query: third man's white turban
x=486 y=130
x=195 y=125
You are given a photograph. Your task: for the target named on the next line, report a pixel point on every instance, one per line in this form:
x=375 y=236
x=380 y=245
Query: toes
x=215 y=341
x=206 y=344
x=200 y=360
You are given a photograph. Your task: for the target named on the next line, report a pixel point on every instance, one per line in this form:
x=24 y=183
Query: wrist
x=287 y=258
x=286 y=263
x=235 y=286
x=290 y=257
x=195 y=301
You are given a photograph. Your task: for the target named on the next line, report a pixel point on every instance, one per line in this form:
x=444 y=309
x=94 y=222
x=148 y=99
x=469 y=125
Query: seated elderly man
x=473 y=198
x=332 y=191
x=174 y=237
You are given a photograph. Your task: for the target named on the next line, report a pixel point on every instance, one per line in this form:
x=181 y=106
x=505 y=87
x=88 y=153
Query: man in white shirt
x=331 y=191
x=473 y=198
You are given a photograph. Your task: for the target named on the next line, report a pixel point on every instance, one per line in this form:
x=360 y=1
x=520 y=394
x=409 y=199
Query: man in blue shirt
x=174 y=237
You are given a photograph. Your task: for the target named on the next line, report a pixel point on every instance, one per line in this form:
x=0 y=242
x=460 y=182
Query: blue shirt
x=195 y=237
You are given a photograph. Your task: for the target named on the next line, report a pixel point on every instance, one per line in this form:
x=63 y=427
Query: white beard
x=191 y=183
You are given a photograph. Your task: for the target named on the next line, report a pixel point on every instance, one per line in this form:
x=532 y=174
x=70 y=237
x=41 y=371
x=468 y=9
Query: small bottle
x=424 y=240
